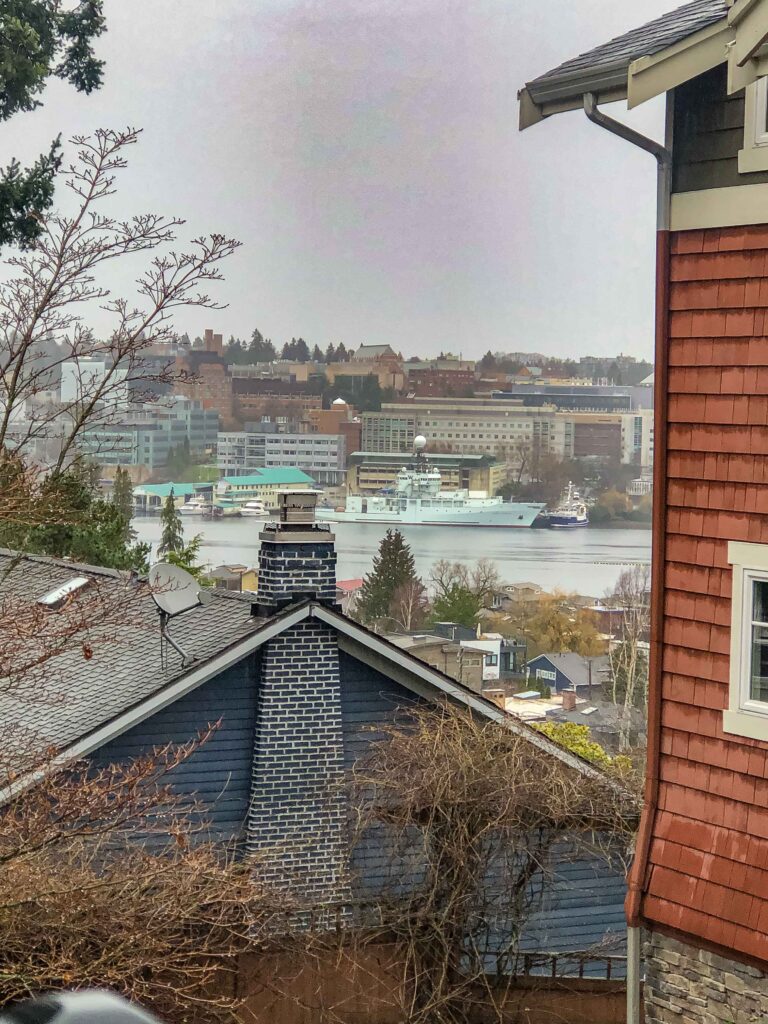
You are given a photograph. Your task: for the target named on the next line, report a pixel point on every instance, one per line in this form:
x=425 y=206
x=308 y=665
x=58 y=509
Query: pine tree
x=330 y=354
x=317 y=355
x=341 y=353
x=261 y=349
x=122 y=499
x=172 y=539
x=393 y=569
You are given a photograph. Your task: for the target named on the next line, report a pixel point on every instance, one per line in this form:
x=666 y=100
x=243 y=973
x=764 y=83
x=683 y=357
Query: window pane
x=759 y=667
x=760 y=601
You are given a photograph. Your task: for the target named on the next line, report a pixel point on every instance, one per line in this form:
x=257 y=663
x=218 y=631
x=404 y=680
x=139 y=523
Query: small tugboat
x=570 y=514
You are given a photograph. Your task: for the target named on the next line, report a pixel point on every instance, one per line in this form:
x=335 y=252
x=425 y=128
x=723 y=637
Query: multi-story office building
x=82 y=378
x=144 y=435
x=322 y=456
x=503 y=427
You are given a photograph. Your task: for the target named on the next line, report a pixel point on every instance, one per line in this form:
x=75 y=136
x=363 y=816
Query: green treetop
x=68 y=519
x=40 y=39
x=172 y=538
x=393 y=570
x=122 y=499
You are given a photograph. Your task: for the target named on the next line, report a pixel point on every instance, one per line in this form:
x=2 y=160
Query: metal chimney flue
x=296 y=507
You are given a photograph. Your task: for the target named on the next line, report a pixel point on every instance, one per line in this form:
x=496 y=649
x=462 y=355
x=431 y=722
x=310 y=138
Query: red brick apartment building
x=699 y=883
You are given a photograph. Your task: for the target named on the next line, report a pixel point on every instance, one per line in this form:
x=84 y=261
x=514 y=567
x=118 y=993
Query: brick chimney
x=299 y=720
x=569 y=700
x=297 y=558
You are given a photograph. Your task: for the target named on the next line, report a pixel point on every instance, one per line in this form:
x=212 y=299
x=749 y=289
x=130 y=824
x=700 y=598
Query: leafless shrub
x=469 y=817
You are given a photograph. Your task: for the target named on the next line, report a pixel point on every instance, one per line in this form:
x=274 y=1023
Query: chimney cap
x=296 y=506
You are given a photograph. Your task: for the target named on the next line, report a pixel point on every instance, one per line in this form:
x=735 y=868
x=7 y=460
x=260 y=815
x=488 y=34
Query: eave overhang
x=739 y=39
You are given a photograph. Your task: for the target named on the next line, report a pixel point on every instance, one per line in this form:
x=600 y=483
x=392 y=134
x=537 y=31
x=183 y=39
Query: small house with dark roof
x=568 y=671
x=698 y=884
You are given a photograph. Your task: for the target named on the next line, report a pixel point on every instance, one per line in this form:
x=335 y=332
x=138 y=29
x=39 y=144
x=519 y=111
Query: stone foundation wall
x=686 y=985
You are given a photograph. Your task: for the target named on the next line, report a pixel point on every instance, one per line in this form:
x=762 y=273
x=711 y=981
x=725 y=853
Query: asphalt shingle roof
x=125 y=666
x=575 y=667
x=644 y=41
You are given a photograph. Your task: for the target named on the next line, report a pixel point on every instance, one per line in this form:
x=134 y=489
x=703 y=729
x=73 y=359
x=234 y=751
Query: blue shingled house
x=298 y=690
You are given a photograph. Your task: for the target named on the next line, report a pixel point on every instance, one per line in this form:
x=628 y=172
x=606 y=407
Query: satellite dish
x=174 y=590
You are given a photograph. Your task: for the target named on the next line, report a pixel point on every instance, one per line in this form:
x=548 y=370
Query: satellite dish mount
x=174 y=591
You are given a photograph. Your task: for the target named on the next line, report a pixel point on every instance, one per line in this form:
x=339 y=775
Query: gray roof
x=80 y=691
x=372 y=351
x=575 y=667
x=125 y=666
x=606 y=66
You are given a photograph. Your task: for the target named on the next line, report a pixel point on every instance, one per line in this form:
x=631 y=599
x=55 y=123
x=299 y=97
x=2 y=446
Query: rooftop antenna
x=174 y=591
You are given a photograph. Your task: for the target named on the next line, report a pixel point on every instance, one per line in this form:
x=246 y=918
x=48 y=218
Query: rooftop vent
x=56 y=598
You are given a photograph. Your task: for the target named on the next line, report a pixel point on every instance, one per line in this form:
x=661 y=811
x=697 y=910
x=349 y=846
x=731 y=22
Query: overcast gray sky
x=367 y=154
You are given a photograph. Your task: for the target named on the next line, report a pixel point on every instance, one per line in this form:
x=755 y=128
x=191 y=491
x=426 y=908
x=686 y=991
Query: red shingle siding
x=708 y=866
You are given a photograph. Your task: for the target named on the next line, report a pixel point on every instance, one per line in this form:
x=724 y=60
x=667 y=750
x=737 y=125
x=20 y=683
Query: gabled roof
x=125 y=680
x=366 y=352
x=575 y=667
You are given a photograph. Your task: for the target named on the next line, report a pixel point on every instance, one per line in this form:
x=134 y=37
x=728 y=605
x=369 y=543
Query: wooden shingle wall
x=708 y=870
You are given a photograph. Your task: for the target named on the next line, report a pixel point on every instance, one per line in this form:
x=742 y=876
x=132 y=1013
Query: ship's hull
x=555 y=522
x=508 y=515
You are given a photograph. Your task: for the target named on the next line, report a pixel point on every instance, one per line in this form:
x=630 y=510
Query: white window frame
x=745 y=716
x=754 y=155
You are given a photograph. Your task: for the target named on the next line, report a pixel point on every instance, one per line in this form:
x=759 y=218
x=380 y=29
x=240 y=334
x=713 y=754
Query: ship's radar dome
x=419 y=442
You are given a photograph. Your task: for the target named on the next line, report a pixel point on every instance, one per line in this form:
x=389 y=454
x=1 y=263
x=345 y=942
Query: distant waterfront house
x=347 y=592
x=149 y=498
x=263 y=485
x=698 y=884
x=237 y=578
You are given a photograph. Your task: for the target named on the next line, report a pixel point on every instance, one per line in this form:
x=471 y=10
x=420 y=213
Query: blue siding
x=583 y=901
x=559 y=683
x=582 y=906
x=219 y=771
x=368 y=699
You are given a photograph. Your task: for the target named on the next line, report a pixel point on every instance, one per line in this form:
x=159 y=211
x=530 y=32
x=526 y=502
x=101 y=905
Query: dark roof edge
x=572 y=85
x=65 y=563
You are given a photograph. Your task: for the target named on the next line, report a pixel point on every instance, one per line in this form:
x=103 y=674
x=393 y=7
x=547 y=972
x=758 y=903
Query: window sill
x=744 y=723
x=753 y=159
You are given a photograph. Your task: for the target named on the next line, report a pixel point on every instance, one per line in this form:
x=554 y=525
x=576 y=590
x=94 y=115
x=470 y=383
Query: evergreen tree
x=122 y=499
x=342 y=356
x=301 y=351
x=93 y=531
x=187 y=558
x=317 y=355
x=393 y=570
x=40 y=40
x=330 y=354
x=172 y=538
x=488 y=362
x=261 y=349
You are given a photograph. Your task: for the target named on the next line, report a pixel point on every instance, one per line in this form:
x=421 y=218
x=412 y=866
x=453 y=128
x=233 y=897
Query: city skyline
x=368 y=157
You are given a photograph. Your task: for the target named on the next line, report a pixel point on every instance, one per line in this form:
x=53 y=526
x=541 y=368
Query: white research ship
x=418 y=501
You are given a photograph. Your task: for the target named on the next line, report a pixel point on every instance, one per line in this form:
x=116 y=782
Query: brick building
x=698 y=884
